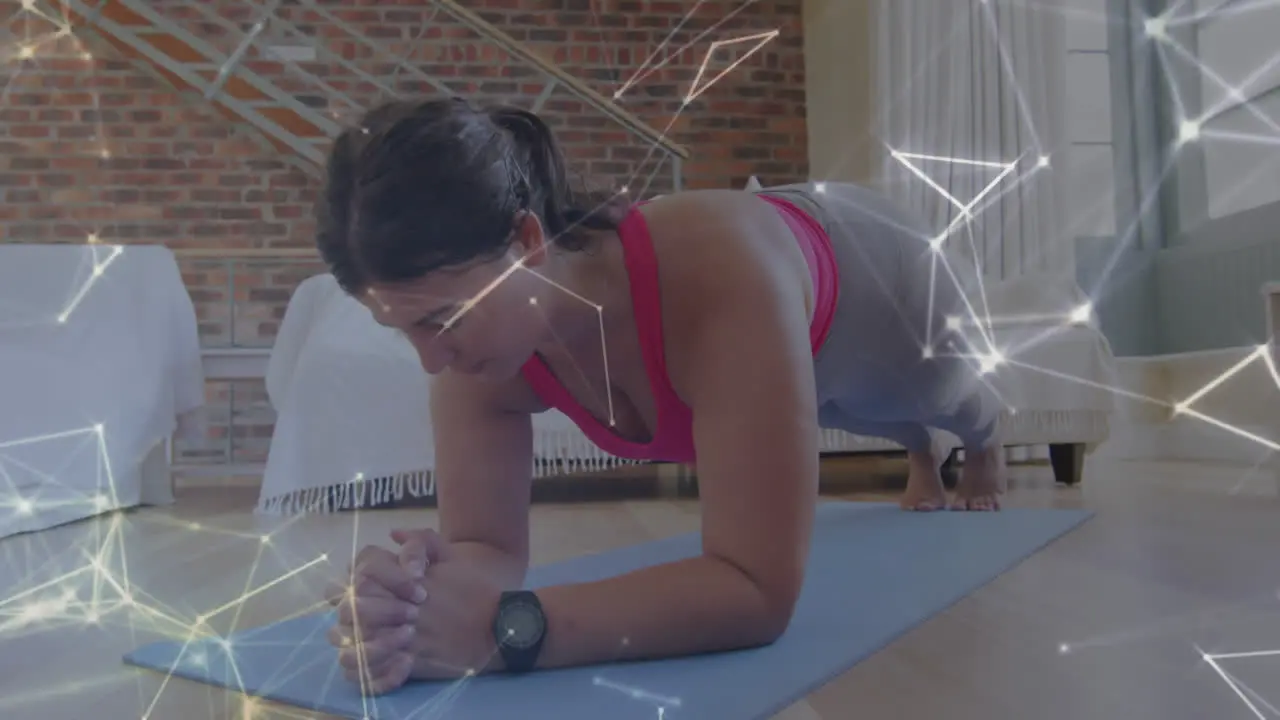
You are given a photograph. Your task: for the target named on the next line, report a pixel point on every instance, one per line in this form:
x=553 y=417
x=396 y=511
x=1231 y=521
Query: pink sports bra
x=672 y=438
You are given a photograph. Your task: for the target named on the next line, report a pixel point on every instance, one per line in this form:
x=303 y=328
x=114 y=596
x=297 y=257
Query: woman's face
x=484 y=319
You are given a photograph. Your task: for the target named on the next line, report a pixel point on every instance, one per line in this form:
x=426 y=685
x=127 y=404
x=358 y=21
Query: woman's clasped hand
x=423 y=612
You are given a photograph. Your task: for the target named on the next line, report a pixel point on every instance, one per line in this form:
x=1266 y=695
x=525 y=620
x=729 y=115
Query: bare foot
x=925 y=492
x=982 y=480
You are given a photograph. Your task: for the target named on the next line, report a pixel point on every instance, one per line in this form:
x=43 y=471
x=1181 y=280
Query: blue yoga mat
x=874 y=573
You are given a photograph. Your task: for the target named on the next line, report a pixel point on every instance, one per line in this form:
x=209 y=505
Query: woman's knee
x=974 y=418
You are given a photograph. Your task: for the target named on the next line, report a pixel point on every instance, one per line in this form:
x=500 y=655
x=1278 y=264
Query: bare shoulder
x=718 y=230
x=721 y=244
x=725 y=258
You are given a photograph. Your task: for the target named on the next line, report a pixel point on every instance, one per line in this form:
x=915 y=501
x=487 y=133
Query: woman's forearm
x=507 y=570
x=688 y=607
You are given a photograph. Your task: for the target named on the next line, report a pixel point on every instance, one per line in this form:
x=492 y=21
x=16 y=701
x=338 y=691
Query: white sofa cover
x=99 y=365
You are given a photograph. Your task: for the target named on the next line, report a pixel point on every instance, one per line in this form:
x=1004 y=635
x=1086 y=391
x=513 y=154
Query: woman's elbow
x=770 y=600
x=776 y=610
x=781 y=609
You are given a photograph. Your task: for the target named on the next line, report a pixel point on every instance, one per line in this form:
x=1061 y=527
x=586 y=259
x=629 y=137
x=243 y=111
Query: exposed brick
x=108 y=146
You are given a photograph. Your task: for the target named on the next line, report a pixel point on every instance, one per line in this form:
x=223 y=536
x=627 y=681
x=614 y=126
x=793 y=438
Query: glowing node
x=1063 y=649
x=98 y=428
x=471 y=672
x=1156 y=27
x=62 y=318
x=1188 y=132
x=820 y=187
x=266 y=539
x=935 y=244
x=100 y=501
x=991 y=361
x=928 y=353
x=26 y=51
x=359 y=476
x=86 y=56
x=533 y=301
x=92 y=238
x=25 y=507
x=1082 y=313
x=1044 y=161
x=953 y=322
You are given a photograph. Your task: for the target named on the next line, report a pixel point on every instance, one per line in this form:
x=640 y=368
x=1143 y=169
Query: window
x=1090 y=193
x=1239 y=100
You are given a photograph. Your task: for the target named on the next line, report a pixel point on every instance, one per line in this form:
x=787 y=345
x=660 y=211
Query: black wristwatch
x=519 y=629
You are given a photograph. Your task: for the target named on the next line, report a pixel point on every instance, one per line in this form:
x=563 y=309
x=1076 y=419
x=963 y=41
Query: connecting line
x=635 y=693
x=1220 y=379
x=1234 y=96
x=1241 y=690
x=521 y=264
x=1182 y=408
x=645 y=70
x=965 y=215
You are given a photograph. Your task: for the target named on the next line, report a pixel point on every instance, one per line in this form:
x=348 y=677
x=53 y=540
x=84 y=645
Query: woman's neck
x=592 y=294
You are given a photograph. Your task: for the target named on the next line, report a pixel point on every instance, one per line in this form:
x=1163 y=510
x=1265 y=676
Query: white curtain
x=965 y=81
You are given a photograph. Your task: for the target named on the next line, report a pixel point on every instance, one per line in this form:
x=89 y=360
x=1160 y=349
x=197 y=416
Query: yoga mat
x=874 y=573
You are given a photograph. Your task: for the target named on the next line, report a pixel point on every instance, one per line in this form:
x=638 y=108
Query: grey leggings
x=873 y=376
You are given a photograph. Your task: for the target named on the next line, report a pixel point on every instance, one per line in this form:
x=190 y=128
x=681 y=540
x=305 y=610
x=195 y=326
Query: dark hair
x=419 y=186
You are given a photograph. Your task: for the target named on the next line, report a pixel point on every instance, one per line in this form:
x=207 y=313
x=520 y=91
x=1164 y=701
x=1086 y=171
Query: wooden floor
x=1111 y=621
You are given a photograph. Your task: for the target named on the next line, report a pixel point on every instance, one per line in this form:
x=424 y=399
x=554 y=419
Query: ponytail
x=541 y=181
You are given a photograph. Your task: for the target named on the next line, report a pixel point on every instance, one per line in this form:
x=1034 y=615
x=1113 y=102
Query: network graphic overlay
x=95 y=585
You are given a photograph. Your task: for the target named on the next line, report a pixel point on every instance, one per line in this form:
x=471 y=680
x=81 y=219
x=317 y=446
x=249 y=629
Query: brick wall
x=106 y=145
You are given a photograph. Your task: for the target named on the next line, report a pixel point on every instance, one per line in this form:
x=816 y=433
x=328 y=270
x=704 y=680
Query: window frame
x=1184 y=194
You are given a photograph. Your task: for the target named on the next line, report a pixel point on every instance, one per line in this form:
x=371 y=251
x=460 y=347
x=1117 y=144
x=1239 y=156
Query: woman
x=726 y=323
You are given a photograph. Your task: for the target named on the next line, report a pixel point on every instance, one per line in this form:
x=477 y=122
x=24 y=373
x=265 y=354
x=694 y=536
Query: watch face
x=523 y=625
